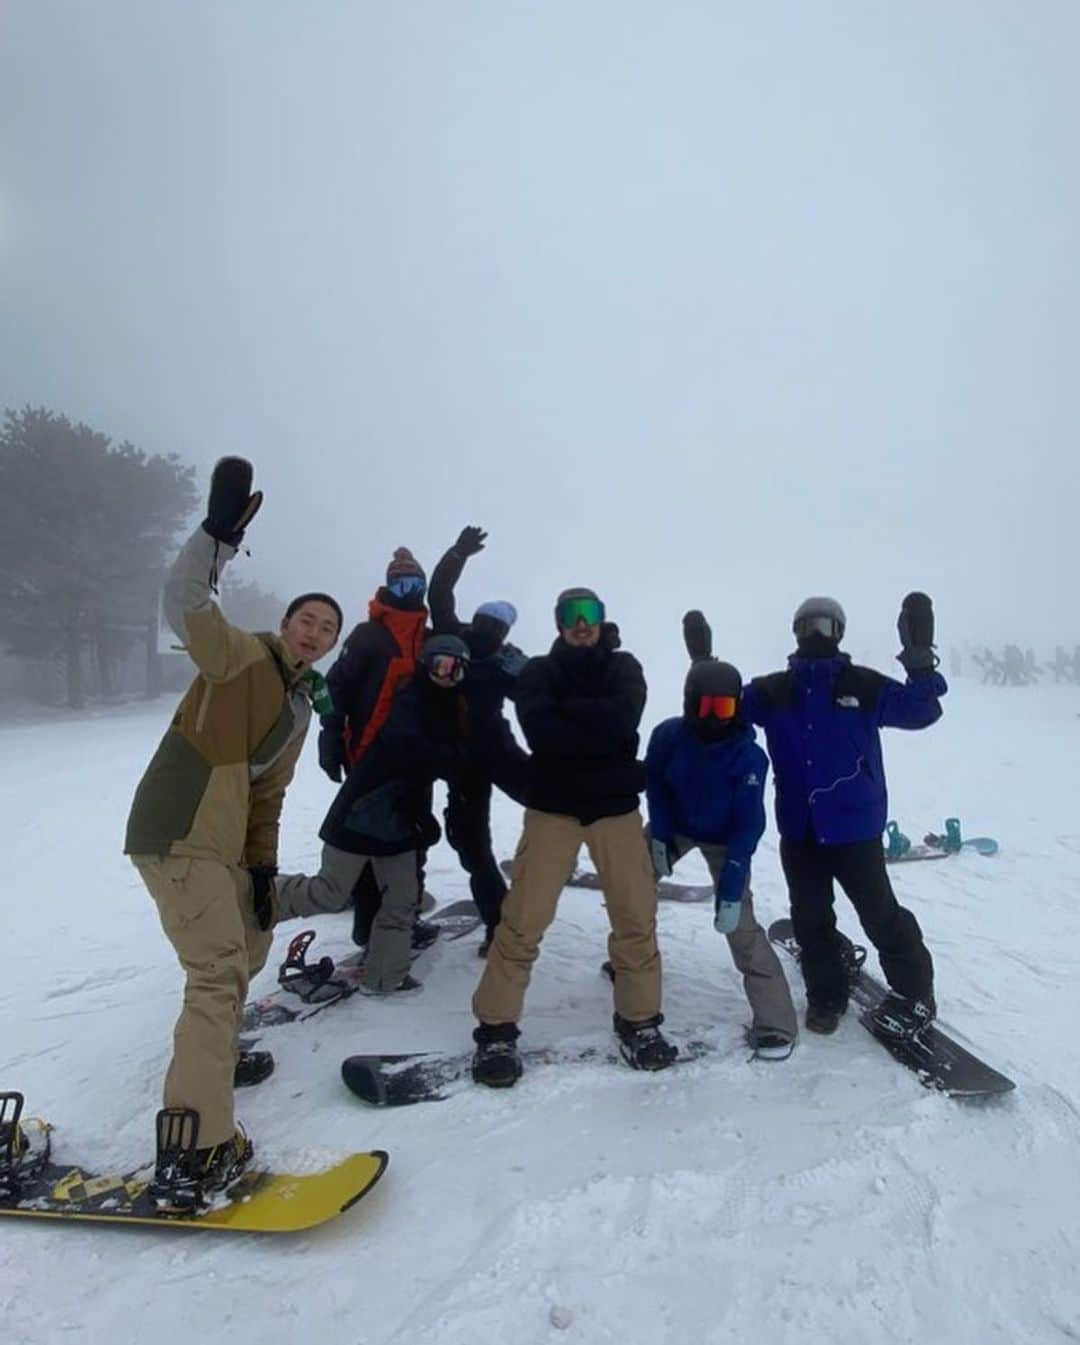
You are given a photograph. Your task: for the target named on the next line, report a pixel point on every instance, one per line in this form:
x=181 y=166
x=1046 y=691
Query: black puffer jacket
x=580 y=710
x=384 y=806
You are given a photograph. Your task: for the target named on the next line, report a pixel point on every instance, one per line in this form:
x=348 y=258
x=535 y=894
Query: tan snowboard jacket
x=215 y=786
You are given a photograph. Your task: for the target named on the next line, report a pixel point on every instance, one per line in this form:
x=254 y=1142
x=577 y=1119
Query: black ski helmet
x=709 y=677
x=445 y=646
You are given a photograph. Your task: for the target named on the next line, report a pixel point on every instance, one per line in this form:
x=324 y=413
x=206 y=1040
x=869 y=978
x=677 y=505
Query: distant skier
x=380 y=820
x=821 y=718
x=579 y=707
x=706 y=784
x=494 y=667
x=203 y=832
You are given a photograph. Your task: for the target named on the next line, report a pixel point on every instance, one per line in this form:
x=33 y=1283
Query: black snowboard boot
x=902 y=1017
x=186 y=1178
x=424 y=934
x=497 y=1062
x=643 y=1045
x=252 y=1067
x=824 y=1018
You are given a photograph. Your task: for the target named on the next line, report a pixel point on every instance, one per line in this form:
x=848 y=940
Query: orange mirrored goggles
x=718 y=707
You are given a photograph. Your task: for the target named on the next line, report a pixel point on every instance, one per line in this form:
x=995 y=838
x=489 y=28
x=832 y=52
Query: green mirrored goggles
x=573 y=610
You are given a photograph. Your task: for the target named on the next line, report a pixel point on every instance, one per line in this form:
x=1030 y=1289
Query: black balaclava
x=710 y=677
x=818 y=626
x=487 y=635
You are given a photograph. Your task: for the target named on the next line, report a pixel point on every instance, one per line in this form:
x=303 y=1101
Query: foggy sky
x=712 y=303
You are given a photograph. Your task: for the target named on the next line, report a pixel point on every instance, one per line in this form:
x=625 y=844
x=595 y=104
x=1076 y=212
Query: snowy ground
x=828 y=1198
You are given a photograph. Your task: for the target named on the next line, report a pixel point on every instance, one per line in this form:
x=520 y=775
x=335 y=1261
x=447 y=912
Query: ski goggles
x=406 y=585
x=717 y=707
x=572 y=610
x=817 y=625
x=447 y=668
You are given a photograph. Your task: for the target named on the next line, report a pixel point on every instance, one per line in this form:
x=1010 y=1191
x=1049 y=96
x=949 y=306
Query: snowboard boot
x=767 y=1044
x=643 y=1045
x=824 y=1018
x=252 y=1067
x=902 y=1017
x=424 y=934
x=497 y=1061
x=186 y=1178
x=408 y=985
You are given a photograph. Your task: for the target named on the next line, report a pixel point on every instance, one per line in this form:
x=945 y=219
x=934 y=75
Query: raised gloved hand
x=470 y=541
x=262 y=893
x=661 y=856
x=332 y=755
x=697 y=635
x=729 y=893
x=232 y=505
x=915 y=626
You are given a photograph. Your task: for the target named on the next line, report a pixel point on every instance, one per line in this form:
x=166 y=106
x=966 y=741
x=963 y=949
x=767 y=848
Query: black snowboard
x=401 y=1080
x=938 y=1061
x=666 y=891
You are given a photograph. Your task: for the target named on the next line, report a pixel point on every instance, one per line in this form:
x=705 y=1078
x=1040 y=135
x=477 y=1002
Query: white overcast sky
x=711 y=303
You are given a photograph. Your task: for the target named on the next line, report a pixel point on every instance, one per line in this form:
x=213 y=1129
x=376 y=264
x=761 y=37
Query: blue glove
x=729 y=892
x=660 y=853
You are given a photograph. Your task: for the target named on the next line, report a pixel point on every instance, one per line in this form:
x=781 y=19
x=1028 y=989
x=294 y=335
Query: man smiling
x=203 y=833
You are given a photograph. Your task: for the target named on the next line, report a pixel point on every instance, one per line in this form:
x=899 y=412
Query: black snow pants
x=468 y=829
x=859 y=868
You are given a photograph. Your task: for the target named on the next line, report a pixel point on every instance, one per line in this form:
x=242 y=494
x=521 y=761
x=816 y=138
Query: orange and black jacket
x=379 y=656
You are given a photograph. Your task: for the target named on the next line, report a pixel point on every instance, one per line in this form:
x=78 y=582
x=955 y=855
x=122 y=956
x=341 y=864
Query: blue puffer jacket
x=711 y=792
x=821 y=719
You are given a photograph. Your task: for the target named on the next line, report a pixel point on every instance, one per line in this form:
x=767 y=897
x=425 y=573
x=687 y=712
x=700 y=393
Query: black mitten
x=609 y=635
x=915 y=626
x=697 y=634
x=232 y=505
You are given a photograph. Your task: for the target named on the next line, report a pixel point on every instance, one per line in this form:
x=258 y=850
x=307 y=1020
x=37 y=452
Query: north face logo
x=848 y=702
x=752 y=779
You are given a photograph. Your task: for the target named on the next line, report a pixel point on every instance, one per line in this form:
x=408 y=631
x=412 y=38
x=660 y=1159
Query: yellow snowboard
x=260 y=1202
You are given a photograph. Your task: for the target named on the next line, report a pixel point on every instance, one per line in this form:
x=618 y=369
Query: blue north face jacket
x=821 y=719
x=709 y=792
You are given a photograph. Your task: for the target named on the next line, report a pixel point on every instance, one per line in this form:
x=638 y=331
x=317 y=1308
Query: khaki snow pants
x=545 y=858
x=205 y=907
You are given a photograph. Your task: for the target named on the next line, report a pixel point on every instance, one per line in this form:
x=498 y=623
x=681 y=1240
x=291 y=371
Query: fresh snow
x=826 y=1198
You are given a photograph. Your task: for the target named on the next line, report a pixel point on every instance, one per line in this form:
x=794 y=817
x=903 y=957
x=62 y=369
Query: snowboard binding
x=898 y=844
x=24 y=1149
x=313 y=982
x=186 y=1178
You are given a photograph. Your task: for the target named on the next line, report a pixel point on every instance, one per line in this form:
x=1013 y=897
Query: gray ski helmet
x=445 y=646
x=822 y=616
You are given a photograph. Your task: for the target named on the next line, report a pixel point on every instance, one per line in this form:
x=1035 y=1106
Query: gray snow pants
x=331 y=889
x=754 y=956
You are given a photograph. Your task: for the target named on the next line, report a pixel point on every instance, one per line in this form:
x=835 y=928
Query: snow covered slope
x=827 y=1198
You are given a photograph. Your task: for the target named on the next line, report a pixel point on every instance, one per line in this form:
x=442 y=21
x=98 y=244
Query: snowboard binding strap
x=313 y=982
x=19 y=1157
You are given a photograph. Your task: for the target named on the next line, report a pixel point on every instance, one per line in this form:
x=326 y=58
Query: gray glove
x=660 y=853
